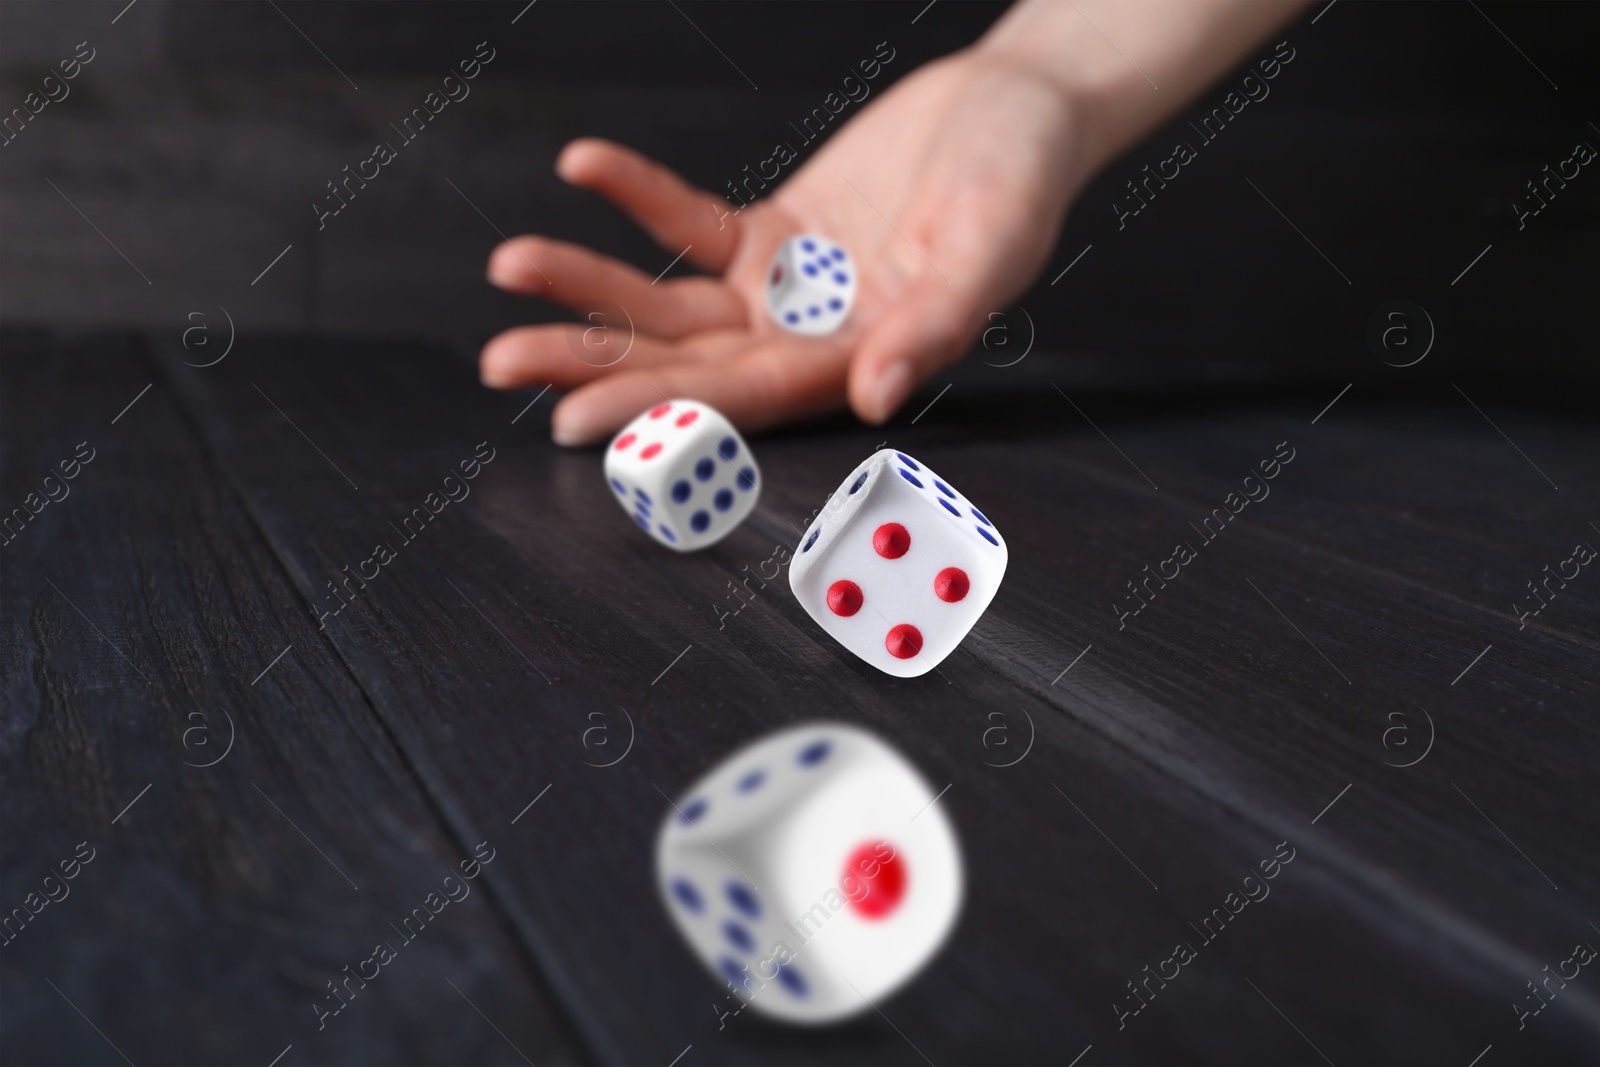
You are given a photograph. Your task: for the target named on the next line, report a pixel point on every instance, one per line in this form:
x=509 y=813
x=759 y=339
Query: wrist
x=1124 y=66
x=1100 y=88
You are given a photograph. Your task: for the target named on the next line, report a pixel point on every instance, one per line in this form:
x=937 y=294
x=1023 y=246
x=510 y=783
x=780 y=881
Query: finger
x=675 y=213
x=568 y=354
x=581 y=279
x=778 y=381
x=928 y=328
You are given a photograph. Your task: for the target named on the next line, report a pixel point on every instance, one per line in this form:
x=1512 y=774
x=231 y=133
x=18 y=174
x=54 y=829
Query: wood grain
x=144 y=606
x=1176 y=754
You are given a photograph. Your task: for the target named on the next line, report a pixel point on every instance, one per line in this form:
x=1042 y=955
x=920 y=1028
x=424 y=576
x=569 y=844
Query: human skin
x=948 y=190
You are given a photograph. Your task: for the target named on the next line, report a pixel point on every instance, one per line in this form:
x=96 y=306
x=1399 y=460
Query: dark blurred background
x=200 y=134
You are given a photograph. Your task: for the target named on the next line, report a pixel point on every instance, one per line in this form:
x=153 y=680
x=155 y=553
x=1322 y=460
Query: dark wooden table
x=1339 y=676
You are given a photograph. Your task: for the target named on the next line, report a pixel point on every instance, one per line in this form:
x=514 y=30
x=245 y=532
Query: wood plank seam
x=583 y=1030
x=1361 y=879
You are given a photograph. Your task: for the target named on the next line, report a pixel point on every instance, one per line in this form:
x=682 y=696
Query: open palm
x=948 y=192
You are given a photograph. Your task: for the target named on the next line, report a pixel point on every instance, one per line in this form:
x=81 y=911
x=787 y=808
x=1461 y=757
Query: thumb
x=927 y=329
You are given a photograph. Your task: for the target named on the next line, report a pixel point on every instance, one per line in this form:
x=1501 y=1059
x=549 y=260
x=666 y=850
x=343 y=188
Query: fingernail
x=494 y=370
x=893 y=388
x=505 y=266
x=565 y=433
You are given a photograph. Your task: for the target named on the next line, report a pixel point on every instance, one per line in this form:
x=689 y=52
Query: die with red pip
x=899 y=565
x=683 y=473
x=811 y=872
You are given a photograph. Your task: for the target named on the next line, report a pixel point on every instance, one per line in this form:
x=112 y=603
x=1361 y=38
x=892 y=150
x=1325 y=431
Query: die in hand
x=810 y=285
x=809 y=872
x=684 y=474
x=898 y=565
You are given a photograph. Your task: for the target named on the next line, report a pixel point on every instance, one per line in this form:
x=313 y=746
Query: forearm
x=1127 y=65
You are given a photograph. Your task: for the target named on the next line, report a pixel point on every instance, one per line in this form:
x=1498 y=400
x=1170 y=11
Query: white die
x=810 y=285
x=683 y=473
x=808 y=871
x=898 y=565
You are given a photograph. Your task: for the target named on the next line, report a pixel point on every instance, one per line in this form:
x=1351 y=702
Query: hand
x=947 y=191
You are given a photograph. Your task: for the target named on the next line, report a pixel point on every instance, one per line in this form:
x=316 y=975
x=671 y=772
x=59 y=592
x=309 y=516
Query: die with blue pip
x=811 y=285
x=683 y=474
